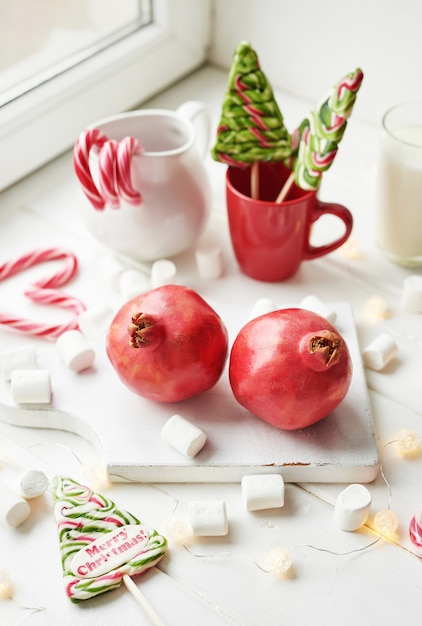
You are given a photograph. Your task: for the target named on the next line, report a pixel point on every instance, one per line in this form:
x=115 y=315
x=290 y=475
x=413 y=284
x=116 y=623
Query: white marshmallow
x=411 y=299
x=209 y=261
x=110 y=269
x=208 y=518
x=75 y=350
x=262 y=491
x=133 y=282
x=183 y=436
x=261 y=307
x=31 y=386
x=20 y=358
x=314 y=304
x=31 y=484
x=379 y=352
x=163 y=272
x=352 y=507
x=14 y=510
x=94 y=321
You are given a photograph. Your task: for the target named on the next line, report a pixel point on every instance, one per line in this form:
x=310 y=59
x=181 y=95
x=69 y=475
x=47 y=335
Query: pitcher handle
x=197 y=113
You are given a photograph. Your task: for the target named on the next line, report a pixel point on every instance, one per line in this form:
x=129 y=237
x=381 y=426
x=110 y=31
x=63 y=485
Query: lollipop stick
x=142 y=601
x=285 y=189
x=255 y=180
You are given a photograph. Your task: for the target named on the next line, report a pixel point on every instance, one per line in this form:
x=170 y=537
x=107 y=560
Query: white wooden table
x=336 y=576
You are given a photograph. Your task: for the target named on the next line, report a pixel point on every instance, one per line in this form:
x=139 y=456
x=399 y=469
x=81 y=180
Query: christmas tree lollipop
x=315 y=141
x=101 y=546
x=251 y=127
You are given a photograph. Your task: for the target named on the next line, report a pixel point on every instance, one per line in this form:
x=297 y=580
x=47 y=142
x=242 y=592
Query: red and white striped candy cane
x=107 y=159
x=127 y=148
x=44 y=291
x=88 y=139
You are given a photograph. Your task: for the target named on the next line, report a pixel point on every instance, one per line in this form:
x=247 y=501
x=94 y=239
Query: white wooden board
x=341 y=448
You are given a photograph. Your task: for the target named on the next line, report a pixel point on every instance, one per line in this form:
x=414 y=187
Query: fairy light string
x=7 y=593
x=277 y=560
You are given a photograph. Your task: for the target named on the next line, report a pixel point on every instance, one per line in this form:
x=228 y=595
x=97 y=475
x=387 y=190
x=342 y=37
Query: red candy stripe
x=44 y=291
x=114 y=169
x=107 y=173
x=92 y=138
x=125 y=151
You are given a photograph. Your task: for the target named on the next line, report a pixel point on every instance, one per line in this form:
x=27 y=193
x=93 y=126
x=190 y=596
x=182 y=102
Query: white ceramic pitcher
x=167 y=176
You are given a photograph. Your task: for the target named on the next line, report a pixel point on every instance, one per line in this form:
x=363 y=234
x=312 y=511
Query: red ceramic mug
x=271 y=240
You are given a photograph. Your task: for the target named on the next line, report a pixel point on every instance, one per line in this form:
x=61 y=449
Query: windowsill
x=42 y=211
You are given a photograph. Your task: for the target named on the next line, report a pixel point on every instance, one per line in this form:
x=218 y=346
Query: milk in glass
x=399 y=185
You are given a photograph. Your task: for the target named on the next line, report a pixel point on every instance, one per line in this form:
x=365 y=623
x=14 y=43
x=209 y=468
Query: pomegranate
x=167 y=344
x=290 y=368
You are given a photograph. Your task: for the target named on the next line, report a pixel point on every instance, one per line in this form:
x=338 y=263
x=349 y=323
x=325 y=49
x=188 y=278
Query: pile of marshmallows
x=14 y=506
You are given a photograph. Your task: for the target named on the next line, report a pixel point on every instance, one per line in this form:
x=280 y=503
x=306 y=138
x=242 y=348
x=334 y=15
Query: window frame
x=45 y=122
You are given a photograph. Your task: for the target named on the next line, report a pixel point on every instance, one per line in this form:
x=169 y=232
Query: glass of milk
x=399 y=185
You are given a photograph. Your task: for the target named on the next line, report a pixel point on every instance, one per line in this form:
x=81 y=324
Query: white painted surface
x=331 y=568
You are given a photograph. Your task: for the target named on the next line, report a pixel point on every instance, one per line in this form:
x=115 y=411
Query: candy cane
x=39 y=256
x=107 y=159
x=92 y=138
x=127 y=148
x=44 y=291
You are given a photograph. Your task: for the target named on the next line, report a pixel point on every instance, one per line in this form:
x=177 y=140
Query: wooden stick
x=285 y=189
x=142 y=601
x=255 y=180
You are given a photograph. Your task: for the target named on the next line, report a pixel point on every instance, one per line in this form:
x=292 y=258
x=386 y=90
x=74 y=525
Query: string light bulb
x=407 y=442
x=376 y=309
x=351 y=249
x=6 y=591
x=97 y=476
x=179 y=530
x=386 y=523
x=278 y=560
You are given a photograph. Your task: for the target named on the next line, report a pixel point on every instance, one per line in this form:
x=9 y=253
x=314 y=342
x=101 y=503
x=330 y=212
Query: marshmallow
x=262 y=491
x=110 y=269
x=411 y=299
x=208 y=518
x=379 y=352
x=14 y=510
x=75 y=350
x=209 y=261
x=314 y=304
x=163 y=272
x=31 y=386
x=261 y=307
x=31 y=484
x=183 y=436
x=94 y=321
x=132 y=283
x=352 y=507
x=20 y=358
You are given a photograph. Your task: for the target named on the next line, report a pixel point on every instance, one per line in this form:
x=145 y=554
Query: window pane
x=41 y=38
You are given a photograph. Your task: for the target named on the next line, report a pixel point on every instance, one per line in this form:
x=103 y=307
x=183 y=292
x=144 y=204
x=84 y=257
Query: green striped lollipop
x=251 y=127
x=101 y=544
x=315 y=142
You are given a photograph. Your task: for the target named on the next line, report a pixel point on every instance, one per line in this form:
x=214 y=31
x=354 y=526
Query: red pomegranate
x=290 y=368
x=167 y=344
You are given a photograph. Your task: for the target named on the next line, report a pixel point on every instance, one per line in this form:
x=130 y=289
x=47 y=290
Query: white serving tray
x=95 y=404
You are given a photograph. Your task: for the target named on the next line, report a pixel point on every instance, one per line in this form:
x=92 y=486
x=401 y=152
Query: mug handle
x=197 y=113
x=340 y=211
